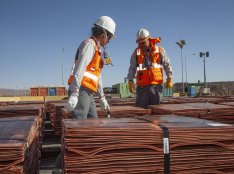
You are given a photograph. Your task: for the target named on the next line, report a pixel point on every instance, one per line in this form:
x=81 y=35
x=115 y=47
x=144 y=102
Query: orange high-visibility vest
x=93 y=71
x=151 y=74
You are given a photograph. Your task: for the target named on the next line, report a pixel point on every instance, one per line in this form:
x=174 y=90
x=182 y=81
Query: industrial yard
x=198 y=130
x=116 y=87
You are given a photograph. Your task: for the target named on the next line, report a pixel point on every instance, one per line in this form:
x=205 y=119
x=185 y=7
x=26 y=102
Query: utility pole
x=204 y=55
x=17 y=91
x=62 y=66
x=25 y=93
x=186 y=72
x=181 y=44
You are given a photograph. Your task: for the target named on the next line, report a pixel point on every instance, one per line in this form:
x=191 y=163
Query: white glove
x=104 y=104
x=72 y=101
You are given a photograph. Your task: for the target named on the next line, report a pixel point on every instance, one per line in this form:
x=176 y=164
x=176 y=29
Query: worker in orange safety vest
x=85 y=79
x=148 y=62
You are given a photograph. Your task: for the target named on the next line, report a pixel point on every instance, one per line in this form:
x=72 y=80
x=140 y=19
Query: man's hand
x=169 y=83
x=131 y=86
x=104 y=104
x=72 y=101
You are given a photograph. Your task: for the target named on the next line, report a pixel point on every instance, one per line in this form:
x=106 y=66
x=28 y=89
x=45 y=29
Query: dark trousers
x=148 y=95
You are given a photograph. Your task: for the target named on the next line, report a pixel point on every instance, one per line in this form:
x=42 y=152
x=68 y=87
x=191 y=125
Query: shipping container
x=192 y=91
x=52 y=91
x=122 y=90
x=60 y=91
x=167 y=92
x=43 y=91
x=34 y=91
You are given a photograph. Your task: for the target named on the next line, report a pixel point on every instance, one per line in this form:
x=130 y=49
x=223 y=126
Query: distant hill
x=217 y=88
x=13 y=92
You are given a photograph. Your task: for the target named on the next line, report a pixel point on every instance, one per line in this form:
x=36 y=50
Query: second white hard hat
x=142 y=35
x=107 y=23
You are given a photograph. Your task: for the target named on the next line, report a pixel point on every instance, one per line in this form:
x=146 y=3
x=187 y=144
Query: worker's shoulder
x=161 y=49
x=89 y=41
x=159 y=46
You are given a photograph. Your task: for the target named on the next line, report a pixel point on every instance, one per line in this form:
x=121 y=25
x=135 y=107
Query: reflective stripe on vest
x=156 y=65
x=91 y=76
x=156 y=49
x=138 y=52
x=139 y=68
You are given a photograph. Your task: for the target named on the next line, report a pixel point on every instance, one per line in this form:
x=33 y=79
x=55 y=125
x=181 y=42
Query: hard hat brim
x=114 y=36
x=142 y=40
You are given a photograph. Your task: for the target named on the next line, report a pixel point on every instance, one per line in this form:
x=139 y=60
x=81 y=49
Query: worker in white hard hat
x=85 y=80
x=148 y=62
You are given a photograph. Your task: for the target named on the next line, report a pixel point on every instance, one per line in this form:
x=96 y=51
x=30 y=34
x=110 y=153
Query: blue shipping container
x=192 y=91
x=52 y=92
x=167 y=92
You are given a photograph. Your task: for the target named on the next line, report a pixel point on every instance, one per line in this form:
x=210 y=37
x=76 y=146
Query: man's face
x=144 y=44
x=105 y=39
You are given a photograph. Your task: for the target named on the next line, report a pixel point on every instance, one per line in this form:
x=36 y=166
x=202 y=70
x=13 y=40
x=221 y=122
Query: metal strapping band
x=166 y=145
x=166 y=149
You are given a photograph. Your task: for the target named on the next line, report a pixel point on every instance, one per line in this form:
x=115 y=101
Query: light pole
x=62 y=66
x=16 y=91
x=204 y=55
x=186 y=72
x=185 y=62
x=181 y=44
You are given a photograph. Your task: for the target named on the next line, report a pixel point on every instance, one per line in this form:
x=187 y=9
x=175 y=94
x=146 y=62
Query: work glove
x=72 y=101
x=104 y=104
x=131 y=86
x=169 y=83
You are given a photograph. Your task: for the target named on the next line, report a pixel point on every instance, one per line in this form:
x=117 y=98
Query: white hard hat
x=142 y=35
x=107 y=23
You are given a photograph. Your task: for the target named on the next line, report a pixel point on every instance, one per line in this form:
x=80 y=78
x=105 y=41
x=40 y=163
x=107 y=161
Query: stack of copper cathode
x=122 y=145
x=57 y=112
x=22 y=110
x=19 y=150
x=122 y=101
x=139 y=145
x=186 y=99
x=116 y=112
x=209 y=111
x=56 y=117
x=198 y=145
x=124 y=111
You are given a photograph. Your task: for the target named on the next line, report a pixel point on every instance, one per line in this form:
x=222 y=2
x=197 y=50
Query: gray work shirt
x=165 y=63
x=84 y=58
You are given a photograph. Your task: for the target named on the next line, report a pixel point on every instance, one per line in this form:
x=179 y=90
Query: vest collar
x=96 y=41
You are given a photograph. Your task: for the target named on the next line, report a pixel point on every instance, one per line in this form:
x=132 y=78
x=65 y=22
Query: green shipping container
x=122 y=90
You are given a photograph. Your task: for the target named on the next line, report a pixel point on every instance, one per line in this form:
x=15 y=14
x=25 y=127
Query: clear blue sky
x=33 y=34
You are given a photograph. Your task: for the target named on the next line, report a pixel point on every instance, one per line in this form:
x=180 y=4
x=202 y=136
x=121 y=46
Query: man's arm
x=166 y=64
x=132 y=67
x=100 y=88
